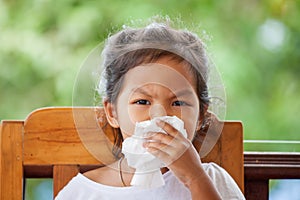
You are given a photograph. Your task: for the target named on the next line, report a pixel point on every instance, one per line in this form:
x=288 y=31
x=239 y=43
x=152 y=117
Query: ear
x=199 y=122
x=111 y=114
x=201 y=117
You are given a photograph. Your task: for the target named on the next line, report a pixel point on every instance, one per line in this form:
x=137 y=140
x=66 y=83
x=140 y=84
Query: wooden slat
x=62 y=174
x=51 y=138
x=232 y=151
x=228 y=152
x=260 y=167
x=257 y=190
x=52 y=131
x=46 y=171
x=11 y=161
x=214 y=155
x=271 y=165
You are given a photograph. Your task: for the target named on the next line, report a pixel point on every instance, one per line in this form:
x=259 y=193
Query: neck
x=126 y=172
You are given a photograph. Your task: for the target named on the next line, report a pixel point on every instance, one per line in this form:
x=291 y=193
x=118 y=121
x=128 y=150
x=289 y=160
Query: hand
x=176 y=151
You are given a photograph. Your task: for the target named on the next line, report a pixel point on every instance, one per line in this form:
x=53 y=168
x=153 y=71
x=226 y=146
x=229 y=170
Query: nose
x=157 y=110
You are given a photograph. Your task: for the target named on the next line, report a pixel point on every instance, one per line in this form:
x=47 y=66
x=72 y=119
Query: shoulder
x=214 y=170
x=90 y=185
x=224 y=183
x=104 y=175
x=81 y=187
x=217 y=174
x=73 y=188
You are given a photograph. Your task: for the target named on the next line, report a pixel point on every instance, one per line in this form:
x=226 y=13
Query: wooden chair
x=47 y=144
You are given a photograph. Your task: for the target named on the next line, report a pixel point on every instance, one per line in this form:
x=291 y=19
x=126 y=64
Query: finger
x=169 y=129
x=158 y=153
x=155 y=144
x=166 y=154
x=161 y=137
x=174 y=150
x=177 y=143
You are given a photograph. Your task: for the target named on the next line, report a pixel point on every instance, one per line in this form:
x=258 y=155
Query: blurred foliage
x=255 y=44
x=38 y=189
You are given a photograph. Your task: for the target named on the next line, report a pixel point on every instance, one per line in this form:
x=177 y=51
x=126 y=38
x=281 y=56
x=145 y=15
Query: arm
x=193 y=176
x=183 y=160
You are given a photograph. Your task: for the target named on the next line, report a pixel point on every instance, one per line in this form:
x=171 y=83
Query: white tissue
x=147 y=174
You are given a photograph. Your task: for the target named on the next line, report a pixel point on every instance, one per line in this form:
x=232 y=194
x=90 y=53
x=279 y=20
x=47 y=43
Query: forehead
x=167 y=72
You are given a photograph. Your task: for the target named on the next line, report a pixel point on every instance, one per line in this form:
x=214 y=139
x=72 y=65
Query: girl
x=151 y=72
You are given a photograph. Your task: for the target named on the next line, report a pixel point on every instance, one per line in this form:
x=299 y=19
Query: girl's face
x=163 y=88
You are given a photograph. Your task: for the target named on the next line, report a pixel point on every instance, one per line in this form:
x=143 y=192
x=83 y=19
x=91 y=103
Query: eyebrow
x=184 y=92
x=140 y=90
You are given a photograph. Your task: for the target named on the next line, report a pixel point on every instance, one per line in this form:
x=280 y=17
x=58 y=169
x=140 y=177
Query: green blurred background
x=255 y=45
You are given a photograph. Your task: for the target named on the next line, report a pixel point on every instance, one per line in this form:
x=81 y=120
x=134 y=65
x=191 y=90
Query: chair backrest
x=47 y=144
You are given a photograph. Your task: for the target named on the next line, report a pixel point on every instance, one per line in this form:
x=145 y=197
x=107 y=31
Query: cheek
x=190 y=127
x=138 y=113
x=128 y=115
x=190 y=119
x=125 y=122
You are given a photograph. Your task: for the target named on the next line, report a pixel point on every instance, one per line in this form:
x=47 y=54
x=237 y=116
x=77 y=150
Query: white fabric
x=82 y=188
x=147 y=173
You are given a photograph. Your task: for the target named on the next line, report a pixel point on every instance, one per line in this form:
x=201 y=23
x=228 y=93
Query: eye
x=179 y=103
x=142 y=102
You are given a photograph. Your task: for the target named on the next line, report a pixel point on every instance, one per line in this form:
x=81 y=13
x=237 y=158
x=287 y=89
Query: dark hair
x=132 y=47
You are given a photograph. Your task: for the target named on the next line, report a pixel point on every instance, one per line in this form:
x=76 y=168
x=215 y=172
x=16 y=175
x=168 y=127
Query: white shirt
x=80 y=187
